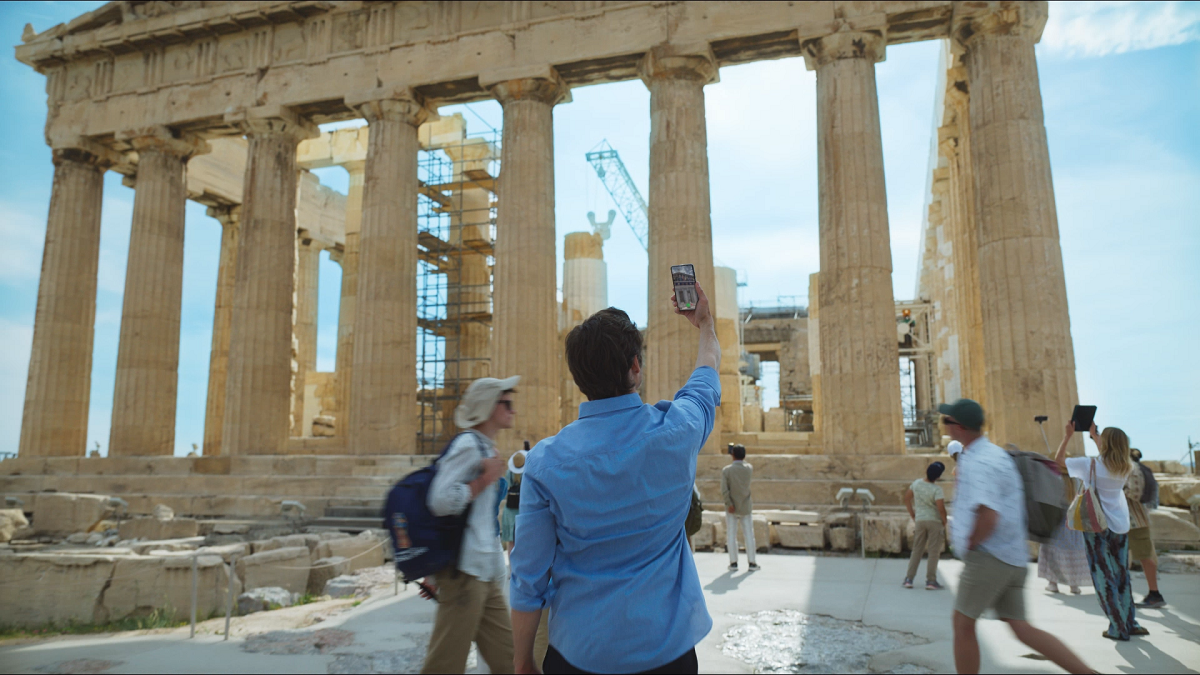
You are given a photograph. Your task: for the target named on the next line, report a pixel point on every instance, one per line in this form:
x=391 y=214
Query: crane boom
x=611 y=171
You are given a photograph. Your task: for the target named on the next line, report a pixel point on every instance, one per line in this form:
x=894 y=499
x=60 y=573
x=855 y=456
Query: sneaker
x=1075 y=590
x=1051 y=587
x=1154 y=599
x=907 y=583
x=733 y=567
x=1138 y=630
x=933 y=586
x=754 y=567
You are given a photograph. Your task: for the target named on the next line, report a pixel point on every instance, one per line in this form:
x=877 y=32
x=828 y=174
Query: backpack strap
x=466 y=516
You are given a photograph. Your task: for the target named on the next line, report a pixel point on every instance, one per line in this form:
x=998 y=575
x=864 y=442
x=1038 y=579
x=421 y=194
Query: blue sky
x=1121 y=89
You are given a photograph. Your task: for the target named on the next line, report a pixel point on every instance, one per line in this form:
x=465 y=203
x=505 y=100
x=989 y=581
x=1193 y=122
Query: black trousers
x=555 y=664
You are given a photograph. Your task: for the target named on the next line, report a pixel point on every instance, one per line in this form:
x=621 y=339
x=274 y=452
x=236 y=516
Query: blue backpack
x=423 y=543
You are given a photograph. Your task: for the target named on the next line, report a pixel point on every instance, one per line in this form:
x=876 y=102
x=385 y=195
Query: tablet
x=1083 y=416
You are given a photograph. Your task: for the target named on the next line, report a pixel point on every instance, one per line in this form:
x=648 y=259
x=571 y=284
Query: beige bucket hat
x=480 y=400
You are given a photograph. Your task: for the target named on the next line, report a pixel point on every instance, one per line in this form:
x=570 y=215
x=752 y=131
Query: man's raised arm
x=702 y=318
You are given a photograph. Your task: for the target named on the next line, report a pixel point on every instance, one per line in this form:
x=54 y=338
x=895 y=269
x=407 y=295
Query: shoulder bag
x=1085 y=513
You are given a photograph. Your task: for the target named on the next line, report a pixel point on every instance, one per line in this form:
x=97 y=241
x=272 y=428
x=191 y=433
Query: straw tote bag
x=1085 y=514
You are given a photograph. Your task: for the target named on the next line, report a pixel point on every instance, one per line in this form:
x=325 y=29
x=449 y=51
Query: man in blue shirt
x=600 y=536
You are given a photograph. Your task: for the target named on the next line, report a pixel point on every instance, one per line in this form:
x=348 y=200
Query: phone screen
x=684 y=278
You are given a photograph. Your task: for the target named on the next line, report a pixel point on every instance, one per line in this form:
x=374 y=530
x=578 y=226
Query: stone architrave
x=344 y=360
x=258 y=388
x=218 y=361
x=860 y=376
x=147 y=377
x=1027 y=346
x=55 y=419
x=383 y=387
x=308 y=260
x=525 y=314
x=679 y=211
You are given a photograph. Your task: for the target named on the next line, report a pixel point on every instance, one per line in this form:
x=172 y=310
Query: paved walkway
x=387 y=633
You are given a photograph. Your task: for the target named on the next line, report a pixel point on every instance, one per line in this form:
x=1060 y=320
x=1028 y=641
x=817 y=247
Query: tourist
x=1141 y=493
x=735 y=490
x=1063 y=559
x=1108 y=551
x=926 y=504
x=471 y=600
x=509 y=508
x=603 y=507
x=988 y=534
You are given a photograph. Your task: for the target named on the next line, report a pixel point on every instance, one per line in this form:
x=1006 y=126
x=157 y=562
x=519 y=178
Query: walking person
x=603 y=509
x=1141 y=494
x=471 y=599
x=1063 y=559
x=735 y=490
x=988 y=533
x=1108 y=551
x=926 y=504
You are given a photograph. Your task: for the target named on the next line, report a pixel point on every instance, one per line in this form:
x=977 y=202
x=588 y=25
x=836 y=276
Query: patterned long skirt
x=1108 y=555
x=1063 y=559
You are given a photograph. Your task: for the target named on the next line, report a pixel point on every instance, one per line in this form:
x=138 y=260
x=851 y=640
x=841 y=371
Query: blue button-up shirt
x=603 y=506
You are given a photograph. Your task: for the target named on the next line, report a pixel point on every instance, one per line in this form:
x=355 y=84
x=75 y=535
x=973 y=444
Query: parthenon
x=220 y=102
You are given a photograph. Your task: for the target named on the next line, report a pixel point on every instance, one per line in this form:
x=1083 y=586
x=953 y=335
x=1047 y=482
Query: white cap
x=480 y=400
x=954 y=448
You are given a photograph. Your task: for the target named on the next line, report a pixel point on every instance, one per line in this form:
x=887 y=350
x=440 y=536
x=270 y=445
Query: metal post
x=229 y=595
x=396 y=588
x=195 y=588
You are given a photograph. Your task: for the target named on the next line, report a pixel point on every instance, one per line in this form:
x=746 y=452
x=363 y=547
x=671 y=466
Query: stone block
x=283 y=567
x=703 y=539
x=839 y=520
x=1168 y=466
x=1176 y=491
x=38 y=589
x=719 y=533
x=882 y=534
x=793 y=517
x=365 y=550
x=186 y=544
x=227 y=552
x=264 y=599
x=153 y=529
x=61 y=513
x=309 y=541
x=325 y=569
x=841 y=539
x=774 y=420
x=1174 y=526
x=801 y=536
x=343 y=587
x=142 y=584
x=11 y=521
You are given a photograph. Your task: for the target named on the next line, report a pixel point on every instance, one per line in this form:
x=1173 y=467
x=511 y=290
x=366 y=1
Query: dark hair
x=600 y=352
x=934 y=471
x=737 y=450
x=1135 y=454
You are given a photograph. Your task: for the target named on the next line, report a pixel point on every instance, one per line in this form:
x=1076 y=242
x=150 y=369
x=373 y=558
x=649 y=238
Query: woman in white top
x=1108 y=551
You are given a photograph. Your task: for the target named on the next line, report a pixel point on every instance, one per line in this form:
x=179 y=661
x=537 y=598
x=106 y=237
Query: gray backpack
x=1045 y=499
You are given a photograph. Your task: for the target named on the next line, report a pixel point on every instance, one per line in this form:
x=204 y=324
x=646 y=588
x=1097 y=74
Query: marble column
x=147 y=377
x=344 y=359
x=525 y=319
x=218 y=360
x=55 y=419
x=859 y=354
x=1027 y=346
x=585 y=292
x=680 y=222
x=383 y=386
x=258 y=388
x=308 y=260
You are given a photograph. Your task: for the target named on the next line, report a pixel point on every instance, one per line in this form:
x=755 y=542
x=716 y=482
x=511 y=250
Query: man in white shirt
x=472 y=606
x=988 y=534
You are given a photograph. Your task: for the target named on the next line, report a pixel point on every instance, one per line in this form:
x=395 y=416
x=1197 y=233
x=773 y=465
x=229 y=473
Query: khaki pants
x=929 y=537
x=470 y=610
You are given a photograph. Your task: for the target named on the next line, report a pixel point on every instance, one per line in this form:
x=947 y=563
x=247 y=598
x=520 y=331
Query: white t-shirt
x=1110 y=488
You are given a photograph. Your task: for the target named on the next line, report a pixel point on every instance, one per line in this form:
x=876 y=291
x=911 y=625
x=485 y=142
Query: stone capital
x=948 y=141
x=228 y=216
x=399 y=103
x=83 y=150
x=692 y=62
x=522 y=84
x=845 y=44
x=183 y=145
x=975 y=19
x=272 y=120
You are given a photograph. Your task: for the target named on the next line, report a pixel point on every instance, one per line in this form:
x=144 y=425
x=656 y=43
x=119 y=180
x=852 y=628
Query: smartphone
x=1083 y=416
x=684 y=278
x=427 y=592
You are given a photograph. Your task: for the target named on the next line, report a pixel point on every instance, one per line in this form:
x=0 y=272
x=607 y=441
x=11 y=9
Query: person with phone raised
x=601 y=541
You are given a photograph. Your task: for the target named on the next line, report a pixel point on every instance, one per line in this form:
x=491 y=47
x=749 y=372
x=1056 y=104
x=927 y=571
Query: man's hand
x=699 y=316
x=492 y=469
x=428 y=588
x=730 y=509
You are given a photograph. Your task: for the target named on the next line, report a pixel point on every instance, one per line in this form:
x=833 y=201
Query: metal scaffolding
x=456 y=230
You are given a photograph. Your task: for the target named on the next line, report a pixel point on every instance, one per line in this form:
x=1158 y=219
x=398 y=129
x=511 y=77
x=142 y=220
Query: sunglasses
x=507 y=404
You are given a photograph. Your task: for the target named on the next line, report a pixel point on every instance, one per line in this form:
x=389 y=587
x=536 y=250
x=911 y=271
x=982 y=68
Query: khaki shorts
x=987 y=583
x=1141 y=544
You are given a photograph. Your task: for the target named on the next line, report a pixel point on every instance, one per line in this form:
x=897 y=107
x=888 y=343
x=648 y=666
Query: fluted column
x=344 y=359
x=383 y=387
x=55 y=418
x=218 y=360
x=147 y=377
x=860 y=376
x=585 y=292
x=679 y=213
x=525 y=319
x=308 y=261
x=1028 y=351
x=258 y=389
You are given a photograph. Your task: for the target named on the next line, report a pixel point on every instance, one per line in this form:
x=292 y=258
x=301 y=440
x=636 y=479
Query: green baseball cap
x=966 y=412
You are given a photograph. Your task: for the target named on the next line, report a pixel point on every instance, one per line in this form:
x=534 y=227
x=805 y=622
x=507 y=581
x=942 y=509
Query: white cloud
x=1083 y=29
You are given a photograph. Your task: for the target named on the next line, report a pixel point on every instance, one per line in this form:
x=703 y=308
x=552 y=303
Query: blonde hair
x=1114 y=450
